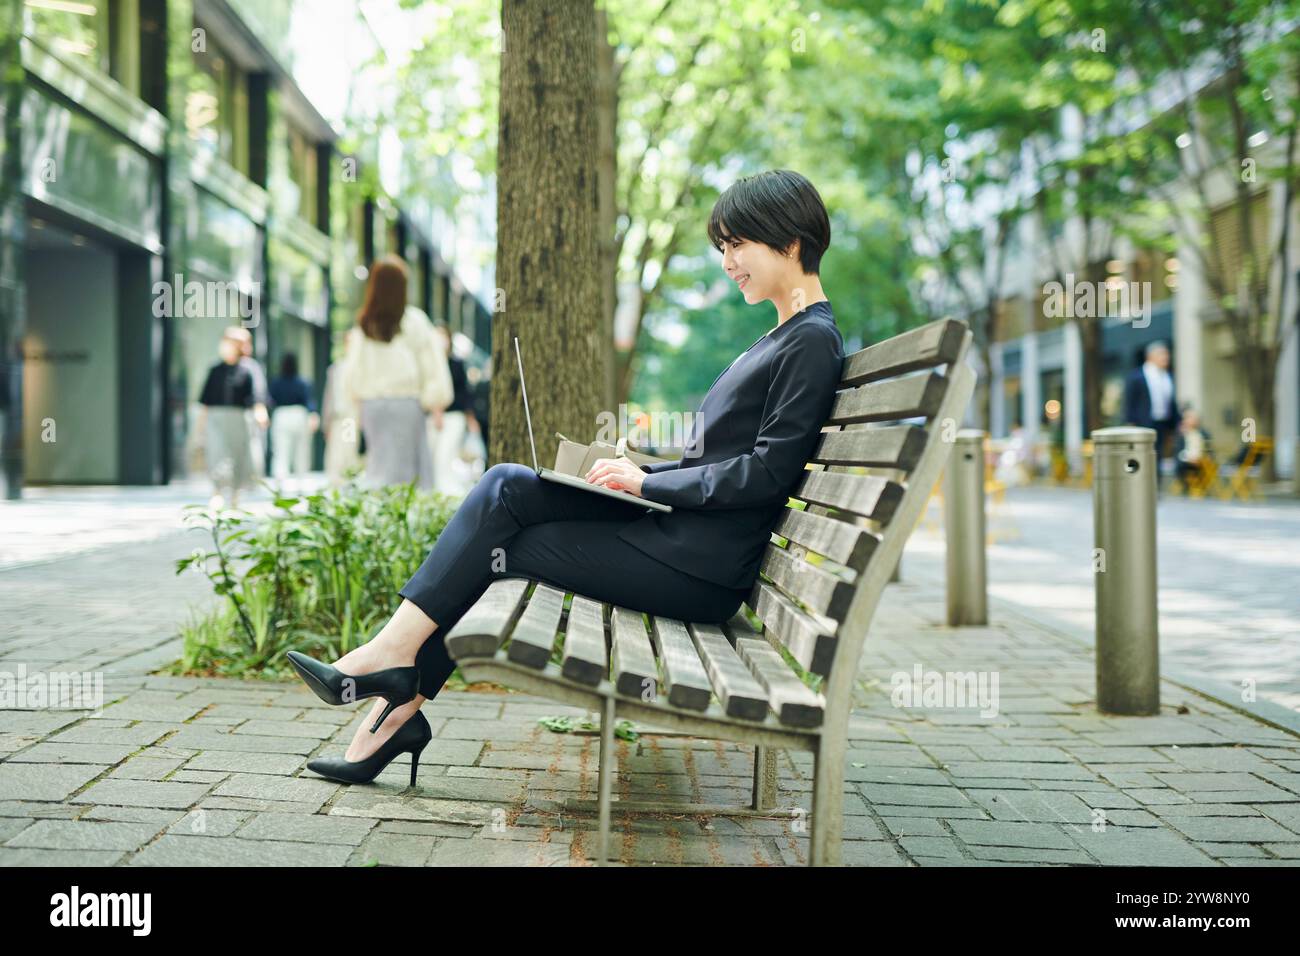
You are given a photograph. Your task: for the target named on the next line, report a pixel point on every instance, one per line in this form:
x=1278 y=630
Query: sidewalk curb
x=1264 y=711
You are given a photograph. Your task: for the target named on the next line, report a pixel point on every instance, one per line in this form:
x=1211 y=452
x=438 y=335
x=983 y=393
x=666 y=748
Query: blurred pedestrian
x=293 y=423
x=395 y=374
x=228 y=395
x=340 y=421
x=1191 y=449
x=260 y=419
x=1149 y=400
x=450 y=426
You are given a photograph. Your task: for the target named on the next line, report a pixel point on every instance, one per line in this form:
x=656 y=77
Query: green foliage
x=319 y=575
x=623 y=729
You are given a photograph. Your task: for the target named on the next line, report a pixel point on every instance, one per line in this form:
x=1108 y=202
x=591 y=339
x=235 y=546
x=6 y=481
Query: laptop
x=573 y=481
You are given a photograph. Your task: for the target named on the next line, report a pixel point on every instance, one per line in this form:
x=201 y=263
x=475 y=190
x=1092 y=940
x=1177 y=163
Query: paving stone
x=1155 y=796
x=970 y=812
x=1039 y=806
x=929 y=846
x=1011 y=854
x=135 y=709
x=1233 y=829
x=176 y=850
x=85 y=835
x=132 y=815
x=230 y=761
x=1222 y=851
x=394 y=849
x=37 y=809
x=286 y=728
x=477 y=851
x=39 y=781
x=1132 y=818
x=144 y=767
x=1125 y=846
x=11 y=826
x=142 y=793
x=43 y=856
x=265 y=787
x=914 y=826
x=114 y=733
x=878 y=794
x=1286 y=814
x=1009 y=769
x=207 y=738
x=197 y=776
x=209 y=822
x=1218 y=759
x=69 y=753
x=1000 y=833
x=304 y=828
x=1288 y=851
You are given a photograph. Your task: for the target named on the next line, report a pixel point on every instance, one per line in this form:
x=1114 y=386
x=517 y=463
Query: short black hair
x=289 y=365
x=775 y=208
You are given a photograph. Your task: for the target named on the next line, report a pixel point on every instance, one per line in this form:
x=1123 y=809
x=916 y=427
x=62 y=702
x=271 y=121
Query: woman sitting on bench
x=753 y=434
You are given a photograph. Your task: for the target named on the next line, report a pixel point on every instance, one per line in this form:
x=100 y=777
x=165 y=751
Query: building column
x=1073 y=399
x=13 y=226
x=997 y=393
x=1031 y=399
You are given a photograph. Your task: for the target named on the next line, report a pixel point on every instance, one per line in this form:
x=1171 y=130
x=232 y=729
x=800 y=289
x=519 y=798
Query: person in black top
x=448 y=426
x=293 y=422
x=228 y=393
x=757 y=427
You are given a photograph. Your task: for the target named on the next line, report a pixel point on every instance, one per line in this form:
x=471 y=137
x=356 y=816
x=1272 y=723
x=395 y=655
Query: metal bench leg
x=828 y=804
x=605 y=784
x=764 y=778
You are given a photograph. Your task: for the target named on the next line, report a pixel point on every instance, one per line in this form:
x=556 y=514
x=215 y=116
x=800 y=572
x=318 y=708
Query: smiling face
x=757 y=269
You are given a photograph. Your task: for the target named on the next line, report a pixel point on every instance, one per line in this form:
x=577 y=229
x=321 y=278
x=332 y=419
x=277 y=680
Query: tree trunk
x=1093 y=372
x=606 y=185
x=548 y=260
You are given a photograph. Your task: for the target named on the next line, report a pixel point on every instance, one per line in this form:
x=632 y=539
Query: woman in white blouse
x=395 y=374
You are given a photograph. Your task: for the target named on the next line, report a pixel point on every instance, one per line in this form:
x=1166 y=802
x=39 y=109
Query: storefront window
x=77 y=30
x=216 y=109
x=303 y=172
x=101 y=34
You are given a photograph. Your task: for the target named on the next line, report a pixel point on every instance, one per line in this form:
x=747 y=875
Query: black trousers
x=513 y=524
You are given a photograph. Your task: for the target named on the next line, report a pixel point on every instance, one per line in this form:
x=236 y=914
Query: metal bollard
x=1124 y=565
x=963 y=517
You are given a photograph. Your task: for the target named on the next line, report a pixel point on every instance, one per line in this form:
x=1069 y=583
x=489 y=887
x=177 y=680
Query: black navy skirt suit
x=755 y=429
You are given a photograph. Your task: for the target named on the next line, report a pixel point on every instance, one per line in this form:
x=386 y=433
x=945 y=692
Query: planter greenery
x=319 y=574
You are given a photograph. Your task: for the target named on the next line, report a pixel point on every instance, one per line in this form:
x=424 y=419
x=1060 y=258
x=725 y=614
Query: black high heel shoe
x=397 y=685
x=413 y=736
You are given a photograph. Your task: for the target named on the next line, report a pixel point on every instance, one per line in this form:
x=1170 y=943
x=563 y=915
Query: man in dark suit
x=1149 y=400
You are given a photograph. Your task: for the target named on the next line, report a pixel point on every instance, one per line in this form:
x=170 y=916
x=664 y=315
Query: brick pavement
x=196 y=771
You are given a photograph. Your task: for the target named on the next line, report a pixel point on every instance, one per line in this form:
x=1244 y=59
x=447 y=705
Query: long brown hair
x=381 y=313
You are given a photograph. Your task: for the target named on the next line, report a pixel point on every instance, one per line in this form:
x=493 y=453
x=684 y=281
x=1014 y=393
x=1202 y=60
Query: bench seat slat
x=737 y=691
x=585 y=659
x=685 y=681
x=632 y=660
x=809 y=642
x=533 y=638
x=794 y=702
x=936 y=343
x=483 y=628
x=917 y=396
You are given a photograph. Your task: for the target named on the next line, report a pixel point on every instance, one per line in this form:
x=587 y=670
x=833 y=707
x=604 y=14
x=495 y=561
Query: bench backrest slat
x=817 y=588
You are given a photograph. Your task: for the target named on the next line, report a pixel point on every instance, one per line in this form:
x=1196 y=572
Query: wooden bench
x=833 y=552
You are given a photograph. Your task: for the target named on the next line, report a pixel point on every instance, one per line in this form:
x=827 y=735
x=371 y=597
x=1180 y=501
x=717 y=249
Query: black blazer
x=1137 y=402
x=754 y=432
